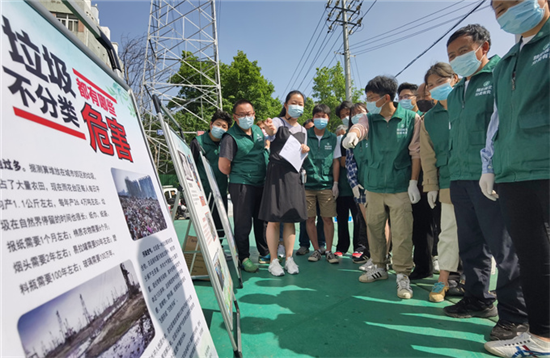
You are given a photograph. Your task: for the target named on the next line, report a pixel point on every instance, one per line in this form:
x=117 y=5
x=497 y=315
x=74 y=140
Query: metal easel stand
x=235 y=336
x=194 y=252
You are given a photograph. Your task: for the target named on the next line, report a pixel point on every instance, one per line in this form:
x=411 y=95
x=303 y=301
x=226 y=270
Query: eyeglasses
x=247 y=114
x=371 y=99
x=406 y=96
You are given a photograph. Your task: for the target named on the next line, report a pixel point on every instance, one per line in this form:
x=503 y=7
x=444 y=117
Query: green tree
x=242 y=79
x=329 y=87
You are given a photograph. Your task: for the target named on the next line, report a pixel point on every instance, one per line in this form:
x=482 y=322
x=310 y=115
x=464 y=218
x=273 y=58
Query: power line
x=358 y=74
x=439 y=39
x=316 y=57
x=422 y=31
x=312 y=35
x=386 y=34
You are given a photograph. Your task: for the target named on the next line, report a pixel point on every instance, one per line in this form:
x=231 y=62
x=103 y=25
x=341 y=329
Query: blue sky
x=276 y=33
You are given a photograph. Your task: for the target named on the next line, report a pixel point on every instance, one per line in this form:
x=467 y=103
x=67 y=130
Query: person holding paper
x=243 y=158
x=323 y=170
x=284 y=199
x=210 y=142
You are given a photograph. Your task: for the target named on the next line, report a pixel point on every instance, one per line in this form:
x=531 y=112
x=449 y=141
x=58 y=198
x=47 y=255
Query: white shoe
x=403 y=286
x=281 y=251
x=523 y=345
x=436 y=264
x=290 y=266
x=276 y=269
x=366 y=266
x=374 y=274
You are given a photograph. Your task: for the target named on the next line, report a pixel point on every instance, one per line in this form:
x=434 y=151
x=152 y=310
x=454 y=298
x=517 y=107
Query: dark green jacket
x=388 y=168
x=469 y=116
x=522 y=143
x=343 y=184
x=318 y=164
x=212 y=153
x=250 y=162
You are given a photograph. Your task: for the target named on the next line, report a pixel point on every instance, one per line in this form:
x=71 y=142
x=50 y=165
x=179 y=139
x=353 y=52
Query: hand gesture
x=270 y=127
x=305 y=148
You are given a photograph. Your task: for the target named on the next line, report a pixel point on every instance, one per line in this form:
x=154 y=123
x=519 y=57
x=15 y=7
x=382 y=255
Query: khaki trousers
x=401 y=224
x=447 y=247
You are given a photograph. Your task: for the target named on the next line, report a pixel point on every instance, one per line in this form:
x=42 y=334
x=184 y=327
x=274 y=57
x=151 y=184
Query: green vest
x=522 y=143
x=343 y=183
x=436 y=122
x=469 y=116
x=249 y=163
x=389 y=163
x=318 y=164
x=212 y=153
x=360 y=156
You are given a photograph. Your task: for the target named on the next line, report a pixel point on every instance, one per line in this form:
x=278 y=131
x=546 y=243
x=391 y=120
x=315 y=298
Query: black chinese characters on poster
x=88 y=249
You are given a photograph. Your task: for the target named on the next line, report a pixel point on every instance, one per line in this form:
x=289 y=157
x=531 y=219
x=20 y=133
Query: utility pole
x=351 y=20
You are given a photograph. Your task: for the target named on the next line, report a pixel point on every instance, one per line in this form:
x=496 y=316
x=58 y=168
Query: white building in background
x=67 y=18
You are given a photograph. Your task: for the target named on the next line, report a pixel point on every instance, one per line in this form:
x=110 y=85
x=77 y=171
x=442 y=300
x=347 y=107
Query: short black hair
x=479 y=34
x=308 y=122
x=239 y=102
x=382 y=85
x=224 y=116
x=343 y=105
x=321 y=108
x=407 y=86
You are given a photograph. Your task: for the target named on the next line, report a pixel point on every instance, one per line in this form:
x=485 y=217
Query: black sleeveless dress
x=284 y=196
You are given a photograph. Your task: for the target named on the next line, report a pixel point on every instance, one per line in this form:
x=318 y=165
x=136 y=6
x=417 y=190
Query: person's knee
x=310 y=220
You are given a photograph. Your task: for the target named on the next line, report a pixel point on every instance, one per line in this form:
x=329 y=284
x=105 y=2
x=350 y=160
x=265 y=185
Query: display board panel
x=91 y=264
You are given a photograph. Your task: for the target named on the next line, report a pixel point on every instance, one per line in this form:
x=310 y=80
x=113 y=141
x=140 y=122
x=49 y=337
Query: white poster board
x=222 y=212
x=201 y=217
x=90 y=259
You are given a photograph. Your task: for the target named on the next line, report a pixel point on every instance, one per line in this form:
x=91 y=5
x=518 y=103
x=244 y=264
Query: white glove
x=335 y=190
x=486 y=184
x=414 y=193
x=350 y=141
x=357 y=191
x=432 y=197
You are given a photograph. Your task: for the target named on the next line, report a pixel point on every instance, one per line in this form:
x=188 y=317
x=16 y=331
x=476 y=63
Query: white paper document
x=292 y=153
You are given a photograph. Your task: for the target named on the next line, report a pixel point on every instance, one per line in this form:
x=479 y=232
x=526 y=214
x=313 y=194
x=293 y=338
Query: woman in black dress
x=284 y=198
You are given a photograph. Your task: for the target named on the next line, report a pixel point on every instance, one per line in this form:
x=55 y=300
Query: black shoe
x=507 y=330
x=415 y=275
x=360 y=259
x=468 y=307
x=455 y=289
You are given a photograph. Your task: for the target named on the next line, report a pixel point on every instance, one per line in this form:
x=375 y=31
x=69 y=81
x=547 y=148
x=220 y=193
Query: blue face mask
x=320 y=123
x=440 y=93
x=406 y=103
x=467 y=64
x=345 y=121
x=522 y=17
x=355 y=119
x=246 y=122
x=295 y=111
x=217 y=132
x=372 y=108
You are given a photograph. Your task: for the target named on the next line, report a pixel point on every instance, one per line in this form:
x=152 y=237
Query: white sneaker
x=281 y=251
x=403 y=286
x=523 y=345
x=290 y=266
x=366 y=266
x=374 y=274
x=436 y=264
x=276 y=269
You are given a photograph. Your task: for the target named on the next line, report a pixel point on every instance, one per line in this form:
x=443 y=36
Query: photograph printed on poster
x=211 y=225
x=219 y=273
x=141 y=207
x=189 y=168
x=104 y=317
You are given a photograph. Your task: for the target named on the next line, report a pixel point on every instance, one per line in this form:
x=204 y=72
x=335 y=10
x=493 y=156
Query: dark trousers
x=246 y=206
x=304 y=237
x=424 y=235
x=525 y=208
x=345 y=204
x=481 y=231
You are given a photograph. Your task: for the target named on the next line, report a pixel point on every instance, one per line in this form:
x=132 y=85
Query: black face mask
x=425 y=105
